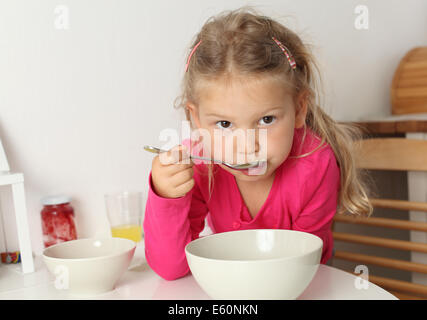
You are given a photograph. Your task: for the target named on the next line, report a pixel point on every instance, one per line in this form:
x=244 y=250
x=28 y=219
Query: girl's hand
x=170 y=178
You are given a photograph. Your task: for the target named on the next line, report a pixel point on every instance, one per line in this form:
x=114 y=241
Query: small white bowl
x=89 y=266
x=255 y=264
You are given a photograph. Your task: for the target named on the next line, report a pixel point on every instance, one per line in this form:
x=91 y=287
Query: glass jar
x=57 y=218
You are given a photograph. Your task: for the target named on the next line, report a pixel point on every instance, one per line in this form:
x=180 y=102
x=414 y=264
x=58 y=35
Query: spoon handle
x=153 y=149
x=157 y=150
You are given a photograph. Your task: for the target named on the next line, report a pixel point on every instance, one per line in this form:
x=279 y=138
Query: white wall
x=77 y=105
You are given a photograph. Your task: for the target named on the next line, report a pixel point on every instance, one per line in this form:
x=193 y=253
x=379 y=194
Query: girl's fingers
x=182 y=177
x=185 y=187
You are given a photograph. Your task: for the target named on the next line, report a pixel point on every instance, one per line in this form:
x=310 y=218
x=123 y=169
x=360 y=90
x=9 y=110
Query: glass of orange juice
x=125 y=214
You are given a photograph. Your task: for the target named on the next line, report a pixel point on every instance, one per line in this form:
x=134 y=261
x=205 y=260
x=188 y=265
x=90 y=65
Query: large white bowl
x=254 y=264
x=89 y=266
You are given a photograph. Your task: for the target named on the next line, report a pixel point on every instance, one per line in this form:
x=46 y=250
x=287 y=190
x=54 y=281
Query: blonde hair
x=238 y=44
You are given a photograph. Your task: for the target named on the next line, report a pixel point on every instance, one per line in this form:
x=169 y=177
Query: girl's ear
x=193 y=110
x=301 y=110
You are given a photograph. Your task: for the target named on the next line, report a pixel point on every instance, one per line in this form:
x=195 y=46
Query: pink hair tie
x=287 y=52
x=191 y=53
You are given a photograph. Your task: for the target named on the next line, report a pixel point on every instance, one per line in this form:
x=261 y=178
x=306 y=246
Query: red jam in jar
x=57 y=218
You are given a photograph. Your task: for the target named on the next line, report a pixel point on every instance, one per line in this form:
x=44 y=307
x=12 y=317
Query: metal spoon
x=243 y=166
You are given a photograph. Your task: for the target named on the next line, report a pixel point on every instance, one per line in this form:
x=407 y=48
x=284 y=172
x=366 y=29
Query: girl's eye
x=227 y=124
x=223 y=124
x=268 y=120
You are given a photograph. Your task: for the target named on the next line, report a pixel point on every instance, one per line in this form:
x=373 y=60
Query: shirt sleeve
x=169 y=225
x=320 y=200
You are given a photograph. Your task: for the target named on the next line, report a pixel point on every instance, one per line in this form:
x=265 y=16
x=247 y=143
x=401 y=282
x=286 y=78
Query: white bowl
x=254 y=264
x=89 y=266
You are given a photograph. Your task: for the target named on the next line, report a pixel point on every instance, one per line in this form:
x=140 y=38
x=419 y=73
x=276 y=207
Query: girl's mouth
x=255 y=171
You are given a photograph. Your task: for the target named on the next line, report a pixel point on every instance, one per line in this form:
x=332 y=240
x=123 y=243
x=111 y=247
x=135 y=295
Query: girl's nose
x=251 y=144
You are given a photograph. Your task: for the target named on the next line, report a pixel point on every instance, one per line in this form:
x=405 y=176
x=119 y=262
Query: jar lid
x=55 y=199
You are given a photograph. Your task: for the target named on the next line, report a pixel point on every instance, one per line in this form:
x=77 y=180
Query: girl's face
x=225 y=110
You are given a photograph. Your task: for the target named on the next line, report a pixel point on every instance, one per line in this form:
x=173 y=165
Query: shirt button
x=236 y=224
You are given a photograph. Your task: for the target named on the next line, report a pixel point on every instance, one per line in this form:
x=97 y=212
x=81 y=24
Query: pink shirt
x=303 y=197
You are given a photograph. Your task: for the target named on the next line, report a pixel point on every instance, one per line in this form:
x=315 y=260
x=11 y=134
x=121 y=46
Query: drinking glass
x=125 y=214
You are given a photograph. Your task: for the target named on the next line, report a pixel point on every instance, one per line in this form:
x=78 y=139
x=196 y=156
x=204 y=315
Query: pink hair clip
x=287 y=52
x=191 y=53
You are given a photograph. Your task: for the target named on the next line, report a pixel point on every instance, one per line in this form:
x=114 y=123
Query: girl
x=247 y=71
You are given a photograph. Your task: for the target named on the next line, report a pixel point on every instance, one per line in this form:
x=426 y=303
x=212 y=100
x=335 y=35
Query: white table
x=143 y=283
